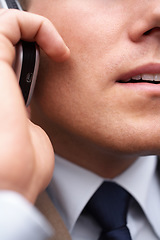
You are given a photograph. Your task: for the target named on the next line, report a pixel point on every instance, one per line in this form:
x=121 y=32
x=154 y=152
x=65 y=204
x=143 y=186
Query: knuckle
x=3 y=11
x=7 y=13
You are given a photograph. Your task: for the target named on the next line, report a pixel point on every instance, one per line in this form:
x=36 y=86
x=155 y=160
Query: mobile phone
x=26 y=62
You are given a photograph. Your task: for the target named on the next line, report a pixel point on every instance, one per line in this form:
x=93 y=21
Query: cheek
x=95 y=55
x=92 y=27
x=78 y=93
x=68 y=98
x=63 y=90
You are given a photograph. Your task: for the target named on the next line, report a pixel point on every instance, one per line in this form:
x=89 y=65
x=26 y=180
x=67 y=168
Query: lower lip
x=143 y=87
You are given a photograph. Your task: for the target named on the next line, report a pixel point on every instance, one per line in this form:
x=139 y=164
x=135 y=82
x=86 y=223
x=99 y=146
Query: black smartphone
x=26 y=62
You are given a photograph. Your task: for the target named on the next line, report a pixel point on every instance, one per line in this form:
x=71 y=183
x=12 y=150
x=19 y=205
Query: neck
x=99 y=161
x=88 y=155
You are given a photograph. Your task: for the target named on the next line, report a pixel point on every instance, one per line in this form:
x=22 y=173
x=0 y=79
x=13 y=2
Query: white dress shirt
x=72 y=187
x=70 y=190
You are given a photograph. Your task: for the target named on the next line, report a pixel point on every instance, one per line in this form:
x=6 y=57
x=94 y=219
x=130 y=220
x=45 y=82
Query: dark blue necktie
x=109 y=206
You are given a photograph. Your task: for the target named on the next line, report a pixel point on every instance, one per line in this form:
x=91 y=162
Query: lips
x=149 y=73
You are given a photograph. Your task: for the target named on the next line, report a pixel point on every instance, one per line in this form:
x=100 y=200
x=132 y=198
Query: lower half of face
x=84 y=97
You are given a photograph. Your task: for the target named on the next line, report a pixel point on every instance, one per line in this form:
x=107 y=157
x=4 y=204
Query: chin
x=129 y=144
x=139 y=148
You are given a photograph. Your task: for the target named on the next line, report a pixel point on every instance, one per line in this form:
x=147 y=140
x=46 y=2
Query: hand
x=26 y=154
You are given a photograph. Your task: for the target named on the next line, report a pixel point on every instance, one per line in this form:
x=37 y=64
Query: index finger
x=16 y=25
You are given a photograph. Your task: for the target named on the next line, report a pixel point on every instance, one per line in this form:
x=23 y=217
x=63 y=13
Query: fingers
x=12 y=112
x=16 y=25
x=23 y=146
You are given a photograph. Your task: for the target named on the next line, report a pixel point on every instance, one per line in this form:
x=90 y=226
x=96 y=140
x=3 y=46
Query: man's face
x=83 y=97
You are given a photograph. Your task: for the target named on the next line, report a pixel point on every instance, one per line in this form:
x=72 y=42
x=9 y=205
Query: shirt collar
x=142 y=182
x=72 y=186
x=70 y=189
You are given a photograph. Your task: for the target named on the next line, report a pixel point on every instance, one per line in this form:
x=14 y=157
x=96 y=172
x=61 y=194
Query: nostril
x=156 y=29
x=148 y=32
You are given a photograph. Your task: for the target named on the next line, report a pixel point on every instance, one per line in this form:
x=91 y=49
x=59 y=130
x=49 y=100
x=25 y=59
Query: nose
x=146 y=20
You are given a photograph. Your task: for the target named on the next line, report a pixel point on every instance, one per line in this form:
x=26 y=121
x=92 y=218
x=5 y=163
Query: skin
x=25 y=4
x=25 y=167
x=90 y=118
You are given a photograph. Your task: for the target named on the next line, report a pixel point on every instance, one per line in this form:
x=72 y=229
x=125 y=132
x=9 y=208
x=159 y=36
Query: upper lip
x=151 y=68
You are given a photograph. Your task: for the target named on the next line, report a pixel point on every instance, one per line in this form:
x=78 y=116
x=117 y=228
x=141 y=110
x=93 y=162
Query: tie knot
x=109 y=206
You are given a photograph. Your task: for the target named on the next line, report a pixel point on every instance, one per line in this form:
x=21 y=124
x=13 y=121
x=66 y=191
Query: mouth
x=143 y=78
x=149 y=73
